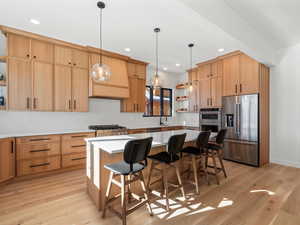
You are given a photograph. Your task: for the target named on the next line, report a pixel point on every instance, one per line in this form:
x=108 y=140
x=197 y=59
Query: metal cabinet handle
x=77 y=146
x=34 y=103
x=27 y=55
x=27 y=102
x=42 y=164
x=70 y=104
x=75 y=104
x=236 y=88
x=40 y=139
x=240 y=87
x=34 y=56
x=78 y=158
x=41 y=150
x=74 y=64
x=12 y=147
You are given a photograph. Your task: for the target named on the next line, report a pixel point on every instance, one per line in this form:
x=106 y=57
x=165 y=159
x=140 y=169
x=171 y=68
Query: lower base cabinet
x=7 y=159
x=74 y=160
x=38 y=165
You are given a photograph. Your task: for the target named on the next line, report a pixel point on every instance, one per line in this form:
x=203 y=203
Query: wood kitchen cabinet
x=71 y=89
x=241 y=75
x=7 y=159
x=136 y=70
x=210 y=85
x=30 y=74
x=193 y=90
x=136 y=101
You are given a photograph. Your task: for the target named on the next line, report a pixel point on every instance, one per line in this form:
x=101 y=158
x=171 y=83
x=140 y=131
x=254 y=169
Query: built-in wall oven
x=210 y=119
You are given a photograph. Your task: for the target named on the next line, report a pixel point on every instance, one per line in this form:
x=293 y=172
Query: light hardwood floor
x=249 y=196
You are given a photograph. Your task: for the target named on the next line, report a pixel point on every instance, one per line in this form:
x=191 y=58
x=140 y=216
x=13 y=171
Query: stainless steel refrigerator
x=241 y=119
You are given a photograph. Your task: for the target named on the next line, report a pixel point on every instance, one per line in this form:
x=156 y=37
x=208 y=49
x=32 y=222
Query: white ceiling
x=277 y=20
x=130 y=23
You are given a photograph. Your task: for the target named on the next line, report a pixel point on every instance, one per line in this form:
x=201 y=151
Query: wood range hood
x=118 y=85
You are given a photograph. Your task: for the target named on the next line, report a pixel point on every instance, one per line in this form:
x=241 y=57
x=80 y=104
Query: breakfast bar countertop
x=116 y=144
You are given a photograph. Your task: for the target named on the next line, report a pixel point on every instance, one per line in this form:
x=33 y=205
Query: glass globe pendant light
x=100 y=72
x=155 y=81
x=191 y=58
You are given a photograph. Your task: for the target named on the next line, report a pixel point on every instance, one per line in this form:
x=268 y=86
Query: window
x=158 y=102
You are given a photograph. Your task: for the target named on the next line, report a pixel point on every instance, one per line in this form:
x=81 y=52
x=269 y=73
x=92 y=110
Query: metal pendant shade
x=100 y=72
x=155 y=80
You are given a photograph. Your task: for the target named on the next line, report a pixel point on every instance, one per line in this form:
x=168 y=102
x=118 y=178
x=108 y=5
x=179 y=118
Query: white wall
x=285 y=107
x=102 y=111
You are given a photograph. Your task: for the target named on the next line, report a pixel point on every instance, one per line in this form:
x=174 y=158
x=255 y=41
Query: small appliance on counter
x=107 y=130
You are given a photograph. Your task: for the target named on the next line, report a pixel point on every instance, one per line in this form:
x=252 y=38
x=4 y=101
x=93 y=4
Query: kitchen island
x=109 y=149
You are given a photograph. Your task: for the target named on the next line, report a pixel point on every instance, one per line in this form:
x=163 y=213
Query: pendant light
x=191 y=64
x=100 y=72
x=155 y=80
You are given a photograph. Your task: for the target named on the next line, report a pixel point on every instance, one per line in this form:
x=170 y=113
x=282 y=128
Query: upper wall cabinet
x=71 y=80
x=241 y=75
x=117 y=86
x=137 y=70
x=30 y=73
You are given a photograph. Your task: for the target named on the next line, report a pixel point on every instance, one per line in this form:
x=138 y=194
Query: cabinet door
x=217 y=68
x=204 y=93
x=7 y=159
x=80 y=59
x=249 y=75
x=216 y=92
x=42 y=86
x=42 y=51
x=193 y=97
x=18 y=46
x=62 y=88
x=63 y=55
x=80 y=89
x=20 y=84
x=231 y=71
x=141 y=88
x=133 y=87
x=141 y=71
x=131 y=69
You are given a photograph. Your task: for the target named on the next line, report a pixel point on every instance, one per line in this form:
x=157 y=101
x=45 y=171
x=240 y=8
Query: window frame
x=161 y=102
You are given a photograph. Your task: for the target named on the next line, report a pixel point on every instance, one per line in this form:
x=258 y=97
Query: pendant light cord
x=101 y=37
x=191 y=52
x=156 y=53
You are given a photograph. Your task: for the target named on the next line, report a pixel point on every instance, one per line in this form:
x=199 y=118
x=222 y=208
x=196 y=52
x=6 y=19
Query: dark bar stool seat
x=135 y=160
x=215 y=150
x=166 y=160
x=196 y=156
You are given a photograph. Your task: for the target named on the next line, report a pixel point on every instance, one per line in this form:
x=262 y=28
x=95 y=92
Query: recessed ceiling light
x=177 y=64
x=127 y=49
x=34 y=21
x=221 y=49
x=165 y=68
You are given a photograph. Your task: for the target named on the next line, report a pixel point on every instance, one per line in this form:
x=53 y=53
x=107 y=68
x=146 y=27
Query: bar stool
x=168 y=159
x=135 y=160
x=215 y=150
x=195 y=157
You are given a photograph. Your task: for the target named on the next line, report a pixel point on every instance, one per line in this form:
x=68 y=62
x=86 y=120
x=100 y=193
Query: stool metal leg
x=150 y=174
x=129 y=189
x=108 y=190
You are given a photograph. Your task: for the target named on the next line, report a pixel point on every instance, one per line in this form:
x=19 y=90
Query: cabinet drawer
x=77 y=136
x=73 y=160
x=39 y=139
x=30 y=151
x=27 y=167
x=75 y=146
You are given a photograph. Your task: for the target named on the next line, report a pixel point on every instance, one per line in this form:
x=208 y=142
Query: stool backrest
x=221 y=136
x=137 y=150
x=175 y=144
x=203 y=139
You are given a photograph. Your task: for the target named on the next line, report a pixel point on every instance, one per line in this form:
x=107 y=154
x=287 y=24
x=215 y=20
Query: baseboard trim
x=286 y=163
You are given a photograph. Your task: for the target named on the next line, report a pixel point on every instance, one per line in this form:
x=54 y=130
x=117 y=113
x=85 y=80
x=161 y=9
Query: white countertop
x=116 y=144
x=44 y=133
